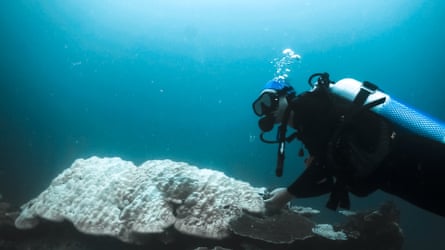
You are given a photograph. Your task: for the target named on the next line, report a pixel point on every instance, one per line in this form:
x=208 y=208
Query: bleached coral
x=306 y=211
x=109 y=196
x=327 y=231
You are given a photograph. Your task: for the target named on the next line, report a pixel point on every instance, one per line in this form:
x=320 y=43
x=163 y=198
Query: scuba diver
x=359 y=140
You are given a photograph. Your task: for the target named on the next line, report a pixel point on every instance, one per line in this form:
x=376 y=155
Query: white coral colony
x=109 y=196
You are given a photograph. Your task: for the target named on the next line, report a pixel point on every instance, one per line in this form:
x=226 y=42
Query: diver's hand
x=280 y=197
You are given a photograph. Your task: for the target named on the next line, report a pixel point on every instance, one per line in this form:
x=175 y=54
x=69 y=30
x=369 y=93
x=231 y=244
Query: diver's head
x=272 y=103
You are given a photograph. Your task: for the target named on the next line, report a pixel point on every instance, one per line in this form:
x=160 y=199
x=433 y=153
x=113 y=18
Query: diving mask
x=266 y=103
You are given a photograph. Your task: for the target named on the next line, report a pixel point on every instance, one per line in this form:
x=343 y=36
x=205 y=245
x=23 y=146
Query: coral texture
x=109 y=196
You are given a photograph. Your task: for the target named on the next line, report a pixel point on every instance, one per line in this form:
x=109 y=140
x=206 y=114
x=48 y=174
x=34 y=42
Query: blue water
x=175 y=79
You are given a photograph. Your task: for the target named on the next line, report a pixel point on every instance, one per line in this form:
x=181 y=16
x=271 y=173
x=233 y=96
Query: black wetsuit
x=366 y=154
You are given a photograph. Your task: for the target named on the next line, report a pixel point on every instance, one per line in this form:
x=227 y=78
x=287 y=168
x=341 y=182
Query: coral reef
x=285 y=227
x=108 y=203
x=109 y=196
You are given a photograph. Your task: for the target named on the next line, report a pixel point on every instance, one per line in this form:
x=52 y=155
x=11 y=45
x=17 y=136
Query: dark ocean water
x=175 y=79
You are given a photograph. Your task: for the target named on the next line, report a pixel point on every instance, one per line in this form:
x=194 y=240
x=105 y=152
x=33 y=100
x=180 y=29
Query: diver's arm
x=312 y=182
x=279 y=198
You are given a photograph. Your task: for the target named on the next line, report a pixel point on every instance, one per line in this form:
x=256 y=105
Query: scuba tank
x=400 y=114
